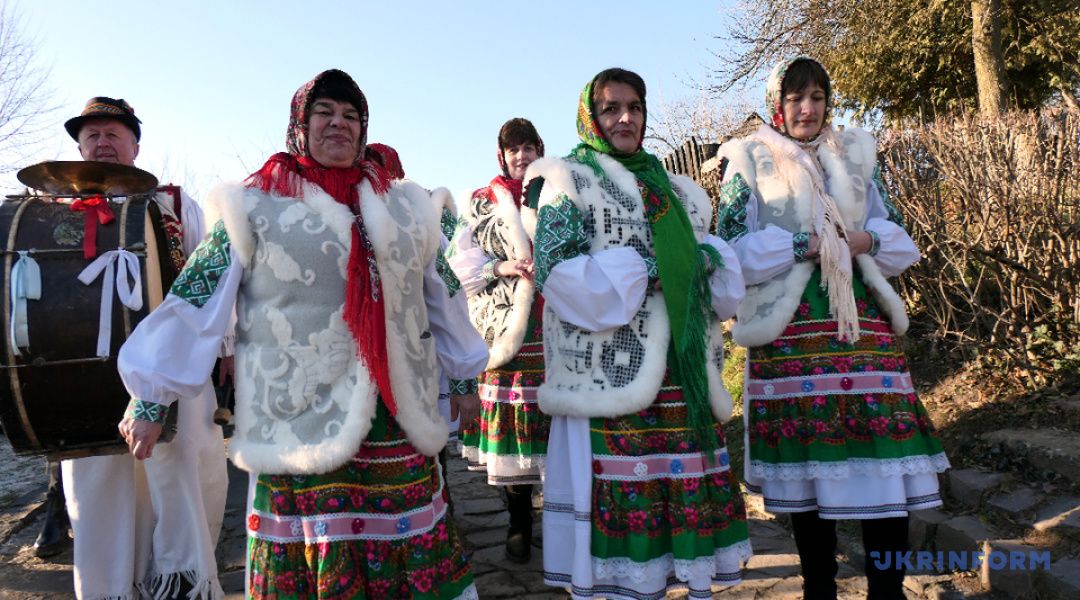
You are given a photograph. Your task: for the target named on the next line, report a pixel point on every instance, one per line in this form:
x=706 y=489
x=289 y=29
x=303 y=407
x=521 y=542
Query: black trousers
x=815 y=539
x=519 y=504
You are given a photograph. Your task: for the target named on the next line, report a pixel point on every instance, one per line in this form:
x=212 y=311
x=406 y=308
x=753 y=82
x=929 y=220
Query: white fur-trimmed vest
x=304 y=401
x=500 y=311
x=617 y=371
x=786 y=199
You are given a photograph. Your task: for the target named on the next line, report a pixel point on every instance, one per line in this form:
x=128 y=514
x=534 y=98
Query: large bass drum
x=64 y=397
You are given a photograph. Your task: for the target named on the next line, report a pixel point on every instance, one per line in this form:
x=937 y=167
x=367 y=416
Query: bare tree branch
x=25 y=105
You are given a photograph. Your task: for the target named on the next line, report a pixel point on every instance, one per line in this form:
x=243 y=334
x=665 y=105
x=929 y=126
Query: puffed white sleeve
x=726 y=281
x=473 y=268
x=461 y=351
x=593 y=291
x=172 y=351
x=892 y=248
x=194 y=228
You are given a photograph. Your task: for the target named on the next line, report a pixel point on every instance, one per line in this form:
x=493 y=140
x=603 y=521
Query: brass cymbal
x=87 y=177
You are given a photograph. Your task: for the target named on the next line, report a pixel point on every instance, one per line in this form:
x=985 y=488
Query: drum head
x=87 y=177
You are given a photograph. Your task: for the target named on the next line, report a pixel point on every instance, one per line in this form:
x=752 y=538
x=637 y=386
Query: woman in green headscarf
x=638 y=496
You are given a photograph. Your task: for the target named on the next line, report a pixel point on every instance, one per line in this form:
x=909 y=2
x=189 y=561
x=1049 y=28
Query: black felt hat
x=103 y=107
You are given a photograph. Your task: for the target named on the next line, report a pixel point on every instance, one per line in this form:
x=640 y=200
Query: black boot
x=886 y=539
x=53 y=538
x=816 y=540
x=519 y=535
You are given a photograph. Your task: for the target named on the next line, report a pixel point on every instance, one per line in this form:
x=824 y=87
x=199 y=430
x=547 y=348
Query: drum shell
x=60 y=399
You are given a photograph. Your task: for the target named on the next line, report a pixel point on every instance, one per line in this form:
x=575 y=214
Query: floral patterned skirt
x=835 y=426
x=509 y=440
x=377 y=527
x=632 y=508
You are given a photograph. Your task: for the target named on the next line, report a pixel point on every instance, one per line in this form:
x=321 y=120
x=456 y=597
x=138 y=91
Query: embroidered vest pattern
x=619 y=371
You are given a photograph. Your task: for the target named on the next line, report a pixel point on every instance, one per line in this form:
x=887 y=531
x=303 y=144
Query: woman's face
x=333 y=132
x=804 y=111
x=518 y=158
x=620 y=113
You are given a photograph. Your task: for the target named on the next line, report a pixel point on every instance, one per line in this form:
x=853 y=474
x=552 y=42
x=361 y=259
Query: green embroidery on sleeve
x=731 y=208
x=652 y=270
x=560 y=235
x=447 y=274
x=894 y=214
x=448 y=223
x=141 y=410
x=463 y=387
x=800 y=245
x=875 y=243
x=197 y=282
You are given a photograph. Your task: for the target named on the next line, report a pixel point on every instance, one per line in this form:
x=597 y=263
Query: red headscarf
x=285 y=173
x=388 y=158
x=513 y=185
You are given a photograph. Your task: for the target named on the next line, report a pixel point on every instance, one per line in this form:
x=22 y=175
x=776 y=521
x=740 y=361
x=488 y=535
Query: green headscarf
x=682 y=267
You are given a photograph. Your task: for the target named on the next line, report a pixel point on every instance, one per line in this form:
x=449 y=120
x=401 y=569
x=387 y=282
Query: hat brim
x=75 y=124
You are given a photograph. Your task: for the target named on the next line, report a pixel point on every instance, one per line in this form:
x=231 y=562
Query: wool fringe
x=169 y=585
x=833 y=250
x=692 y=356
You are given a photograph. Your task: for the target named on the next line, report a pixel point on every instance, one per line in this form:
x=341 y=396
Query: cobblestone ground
x=479 y=510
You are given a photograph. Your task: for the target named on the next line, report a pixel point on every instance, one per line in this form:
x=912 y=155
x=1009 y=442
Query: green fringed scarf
x=682 y=268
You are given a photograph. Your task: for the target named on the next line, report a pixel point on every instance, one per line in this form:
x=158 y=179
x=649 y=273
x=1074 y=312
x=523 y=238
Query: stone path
x=480 y=513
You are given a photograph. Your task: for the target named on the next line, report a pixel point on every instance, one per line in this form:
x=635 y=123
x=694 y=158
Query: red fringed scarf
x=284 y=175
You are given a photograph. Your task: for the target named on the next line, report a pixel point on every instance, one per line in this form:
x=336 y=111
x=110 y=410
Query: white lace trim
x=724 y=561
x=503 y=465
x=892 y=467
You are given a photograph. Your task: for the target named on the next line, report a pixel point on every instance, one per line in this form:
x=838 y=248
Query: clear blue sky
x=212 y=80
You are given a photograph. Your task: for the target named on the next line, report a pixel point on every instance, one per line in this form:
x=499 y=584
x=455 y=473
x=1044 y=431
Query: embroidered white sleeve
x=764 y=254
x=598 y=291
x=461 y=351
x=172 y=351
x=726 y=284
x=467 y=261
x=897 y=251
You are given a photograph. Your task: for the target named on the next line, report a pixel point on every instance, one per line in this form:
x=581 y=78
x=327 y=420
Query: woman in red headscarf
x=492 y=257
x=342 y=323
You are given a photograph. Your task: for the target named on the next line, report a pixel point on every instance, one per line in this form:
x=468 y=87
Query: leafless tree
x=672 y=123
x=25 y=100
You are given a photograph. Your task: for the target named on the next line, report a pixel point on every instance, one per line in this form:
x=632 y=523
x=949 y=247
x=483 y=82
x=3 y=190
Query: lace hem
x=504 y=464
x=892 y=467
x=721 y=565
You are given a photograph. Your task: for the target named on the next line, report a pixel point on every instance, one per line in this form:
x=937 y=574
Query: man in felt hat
x=147 y=528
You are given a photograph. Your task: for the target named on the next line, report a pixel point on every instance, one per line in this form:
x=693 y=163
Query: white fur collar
x=513 y=229
x=441 y=198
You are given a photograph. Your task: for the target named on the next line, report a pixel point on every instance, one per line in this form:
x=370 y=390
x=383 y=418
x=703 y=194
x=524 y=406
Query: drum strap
x=25 y=285
x=122 y=263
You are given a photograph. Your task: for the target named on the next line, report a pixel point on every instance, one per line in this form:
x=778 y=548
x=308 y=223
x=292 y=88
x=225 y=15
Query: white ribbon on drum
x=123 y=263
x=25 y=285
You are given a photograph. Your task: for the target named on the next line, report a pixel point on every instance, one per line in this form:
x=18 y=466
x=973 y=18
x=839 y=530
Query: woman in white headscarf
x=833 y=425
